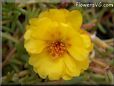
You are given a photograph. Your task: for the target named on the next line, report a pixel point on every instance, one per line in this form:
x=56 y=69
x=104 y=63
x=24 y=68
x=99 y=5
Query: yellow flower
x=58 y=48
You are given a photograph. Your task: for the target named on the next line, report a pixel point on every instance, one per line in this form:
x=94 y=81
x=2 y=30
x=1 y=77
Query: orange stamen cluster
x=56 y=49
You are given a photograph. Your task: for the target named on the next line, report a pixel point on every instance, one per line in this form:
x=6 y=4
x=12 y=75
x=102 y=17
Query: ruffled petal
x=67 y=77
x=83 y=65
x=46 y=66
x=34 y=46
x=27 y=35
x=72 y=68
x=74 y=18
x=87 y=40
x=58 y=15
x=39 y=31
x=76 y=46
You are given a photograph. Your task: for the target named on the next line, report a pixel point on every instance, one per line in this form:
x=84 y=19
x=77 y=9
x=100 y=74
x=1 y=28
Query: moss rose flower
x=58 y=48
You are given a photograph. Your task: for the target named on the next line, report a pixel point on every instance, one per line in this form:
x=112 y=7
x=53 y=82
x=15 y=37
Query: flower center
x=56 y=48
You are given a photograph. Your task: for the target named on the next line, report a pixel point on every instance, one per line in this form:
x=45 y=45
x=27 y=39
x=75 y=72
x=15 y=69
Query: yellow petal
x=60 y=32
x=87 y=40
x=75 y=19
x=76 y=49
x=83 y=65
x=67 y=77
x=30 y=31
x=39 y=22
x=34 y=46
x=72 y=68
x=27 y=35
x=37 y=30
x=58 y=15
x=34 y=21
x=46 y=66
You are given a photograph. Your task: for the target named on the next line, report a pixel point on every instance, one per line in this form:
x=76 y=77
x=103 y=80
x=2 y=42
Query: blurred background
x=98 y=21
